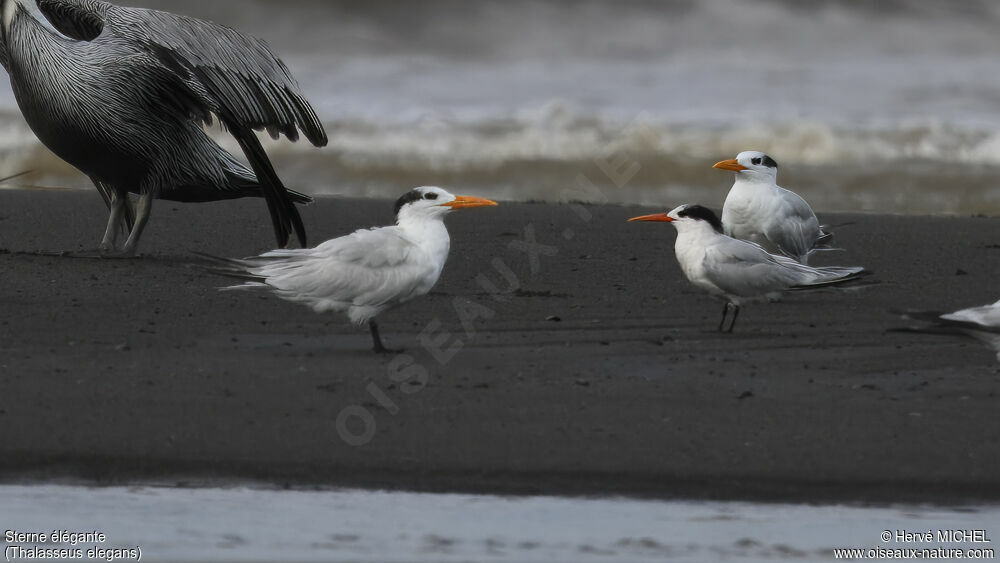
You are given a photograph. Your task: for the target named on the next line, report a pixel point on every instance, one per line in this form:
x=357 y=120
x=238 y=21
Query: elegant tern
x=366 y=272
x=760 y=211
x=734 y=270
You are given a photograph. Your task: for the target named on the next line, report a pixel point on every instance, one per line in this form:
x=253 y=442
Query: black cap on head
x=702 y=213
x=408 y=197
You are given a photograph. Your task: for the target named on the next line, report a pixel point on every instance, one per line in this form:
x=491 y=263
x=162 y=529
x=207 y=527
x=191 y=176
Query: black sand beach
x=601 y=374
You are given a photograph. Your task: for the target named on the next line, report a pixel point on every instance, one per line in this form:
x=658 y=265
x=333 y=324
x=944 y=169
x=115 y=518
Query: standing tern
x=122 y=95
x=981 y=323
x=366 y=272
x=734 y=270
x=760 y=211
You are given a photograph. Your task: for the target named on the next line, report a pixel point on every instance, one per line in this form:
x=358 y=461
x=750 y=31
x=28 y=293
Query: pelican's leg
x=142 y=209
x=378 y=347
x=736 y=313
x=118 y=204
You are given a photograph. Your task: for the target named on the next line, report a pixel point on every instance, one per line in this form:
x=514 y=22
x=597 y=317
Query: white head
x=429 y=202
x=686 y=217
x=11 y=8
x=751 y=166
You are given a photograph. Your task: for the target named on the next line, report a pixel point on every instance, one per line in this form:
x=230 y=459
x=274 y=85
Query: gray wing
x=372 y=268
x=797 y=235
x=745 y=269
x=251 y=85
x=217 y=70
x=248 y=85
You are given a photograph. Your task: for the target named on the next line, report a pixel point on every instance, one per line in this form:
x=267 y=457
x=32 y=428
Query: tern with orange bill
x=734 y=270
x=363 y=273
x=760 y=211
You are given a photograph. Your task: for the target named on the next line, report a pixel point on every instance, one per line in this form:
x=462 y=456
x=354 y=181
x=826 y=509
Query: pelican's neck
x=31 y=10
x=9 y=7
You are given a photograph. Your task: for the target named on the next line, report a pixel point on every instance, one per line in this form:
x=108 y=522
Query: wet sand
x=601 y=373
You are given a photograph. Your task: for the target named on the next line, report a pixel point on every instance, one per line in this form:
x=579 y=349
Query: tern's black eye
x=755 y=161
x=430 y=195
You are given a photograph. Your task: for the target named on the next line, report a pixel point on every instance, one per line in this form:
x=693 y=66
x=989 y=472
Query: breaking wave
x=542 y=155
x=866 y=106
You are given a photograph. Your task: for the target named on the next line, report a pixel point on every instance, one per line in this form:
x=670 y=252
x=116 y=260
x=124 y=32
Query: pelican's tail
x=298 y=197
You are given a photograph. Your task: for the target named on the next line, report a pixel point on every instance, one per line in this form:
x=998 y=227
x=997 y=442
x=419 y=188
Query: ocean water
x=886 y=106
x=245 y=524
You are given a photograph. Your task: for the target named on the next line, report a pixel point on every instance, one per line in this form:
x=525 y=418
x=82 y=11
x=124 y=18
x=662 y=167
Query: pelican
x=123 y=95
x=365 y=272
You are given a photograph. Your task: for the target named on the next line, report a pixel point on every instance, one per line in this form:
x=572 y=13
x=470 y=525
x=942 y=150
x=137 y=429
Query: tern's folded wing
x=745 y=269
x=368 y=267
x=798 y=228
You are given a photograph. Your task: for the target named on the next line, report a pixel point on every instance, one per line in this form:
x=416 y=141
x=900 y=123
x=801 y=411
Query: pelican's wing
x=216 y=70
x=366 y=268
x=250 y=85
x=249 y=82
x=80 y=19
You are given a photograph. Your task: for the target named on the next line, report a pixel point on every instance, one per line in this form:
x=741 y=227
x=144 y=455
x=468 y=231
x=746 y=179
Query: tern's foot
x=377 y=345
x=119 y=255
x=387 y=351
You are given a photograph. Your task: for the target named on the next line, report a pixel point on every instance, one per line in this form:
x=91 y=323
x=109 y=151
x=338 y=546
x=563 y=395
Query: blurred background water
x=879 y=105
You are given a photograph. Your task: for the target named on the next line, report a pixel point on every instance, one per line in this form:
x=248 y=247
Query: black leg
x=377 y=345
x=725 y=311
x=736 y=313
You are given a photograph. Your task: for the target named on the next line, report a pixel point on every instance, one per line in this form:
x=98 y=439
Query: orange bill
x=468 y=201
x=657 y=217
x=730 y=164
